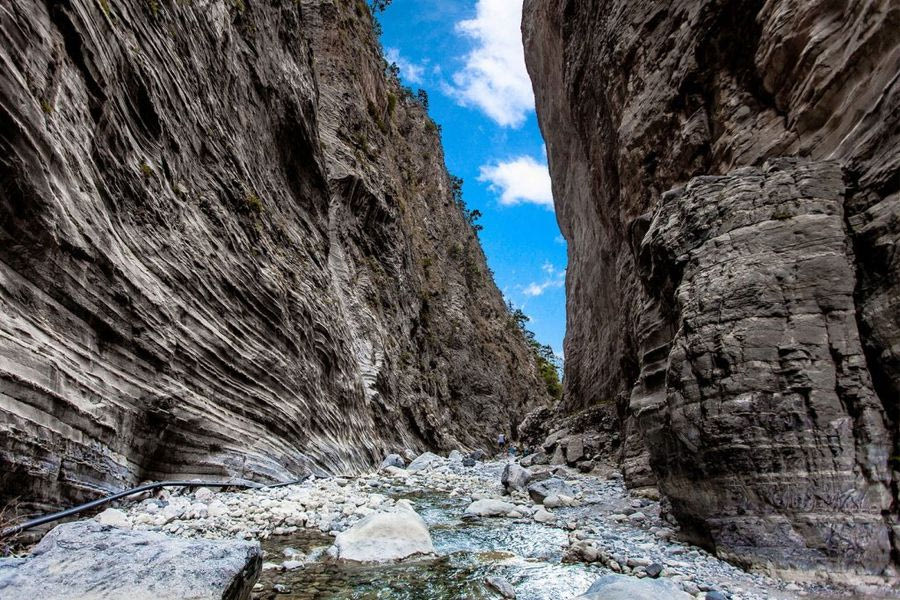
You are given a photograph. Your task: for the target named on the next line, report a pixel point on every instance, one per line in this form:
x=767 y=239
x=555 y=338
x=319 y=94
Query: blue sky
x=467 y=54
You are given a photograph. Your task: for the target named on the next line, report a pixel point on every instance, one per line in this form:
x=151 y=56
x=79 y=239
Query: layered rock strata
x=229 y=248
x=742 y=309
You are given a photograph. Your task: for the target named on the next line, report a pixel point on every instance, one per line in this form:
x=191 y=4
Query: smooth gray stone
x=624 y=587
x=85 y=560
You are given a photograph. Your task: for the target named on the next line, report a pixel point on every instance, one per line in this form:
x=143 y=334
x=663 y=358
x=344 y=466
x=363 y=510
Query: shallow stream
x=526 y=554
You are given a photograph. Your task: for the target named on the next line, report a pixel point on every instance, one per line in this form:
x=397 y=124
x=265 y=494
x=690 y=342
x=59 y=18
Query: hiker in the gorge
x=501 y=441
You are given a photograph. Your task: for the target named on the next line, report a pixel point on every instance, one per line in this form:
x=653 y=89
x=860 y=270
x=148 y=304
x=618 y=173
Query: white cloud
x=535 y=289
x=555 y=279
x=519 y=180
x=494 y=77
x=411 y=72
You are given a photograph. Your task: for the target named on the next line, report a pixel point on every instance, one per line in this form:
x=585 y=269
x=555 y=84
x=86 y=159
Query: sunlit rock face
x=726 y=175
x=229 y=248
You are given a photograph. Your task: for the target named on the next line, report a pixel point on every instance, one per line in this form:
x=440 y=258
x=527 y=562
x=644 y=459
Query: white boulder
x=114 y=517
x=425 y=461
x=385 y=536
x=491 y=508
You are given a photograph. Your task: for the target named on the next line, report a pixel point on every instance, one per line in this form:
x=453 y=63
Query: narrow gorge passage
x=450 y=299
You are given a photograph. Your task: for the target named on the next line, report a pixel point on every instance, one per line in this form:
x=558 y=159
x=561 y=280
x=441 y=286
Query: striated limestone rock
x=741 y=311
x=759 y=411
x=229 y=248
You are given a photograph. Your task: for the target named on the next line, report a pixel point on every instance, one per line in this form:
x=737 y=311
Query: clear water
x=526 y=554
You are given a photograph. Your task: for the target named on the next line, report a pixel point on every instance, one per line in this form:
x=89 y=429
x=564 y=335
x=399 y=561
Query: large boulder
x=397 y=472
x=559 y=456
x=392 y=460
x=385 y=536
x=490 y=508
x=86 y=559
x=540 y=473
x=536 y=458
x=425 y=461
x=550 y=487
x=623 y=587
x=554 y=438
x=574 y=449
x=515 y=477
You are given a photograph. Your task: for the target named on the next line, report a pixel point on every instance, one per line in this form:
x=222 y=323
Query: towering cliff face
x=229 y=248
x=726 y=175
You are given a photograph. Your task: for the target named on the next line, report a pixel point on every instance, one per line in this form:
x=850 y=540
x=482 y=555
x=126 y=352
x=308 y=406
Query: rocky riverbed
x=463 y=529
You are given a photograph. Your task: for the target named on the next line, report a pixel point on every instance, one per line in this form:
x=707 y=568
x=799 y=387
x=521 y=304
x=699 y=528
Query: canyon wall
x=726 y=175
x=229 y=248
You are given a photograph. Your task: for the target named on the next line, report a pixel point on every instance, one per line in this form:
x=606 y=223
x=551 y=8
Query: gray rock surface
x=501 y=586
x=85 y=559
x=229 y=247
x=393 y=460
x=752 y=273
x=424 y=461
x=515 y=477
x=623 y=587
x=550 y=487
x=753 y=361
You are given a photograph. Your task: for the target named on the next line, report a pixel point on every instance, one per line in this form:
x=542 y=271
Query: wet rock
x=490 y=508
x=501 y=586
x=85 y=559
x=623 y=587
x=714 y=595
x=468 y=462
x=549 y=487
x=385 y=536
x=515 y=477
x=393 y=460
